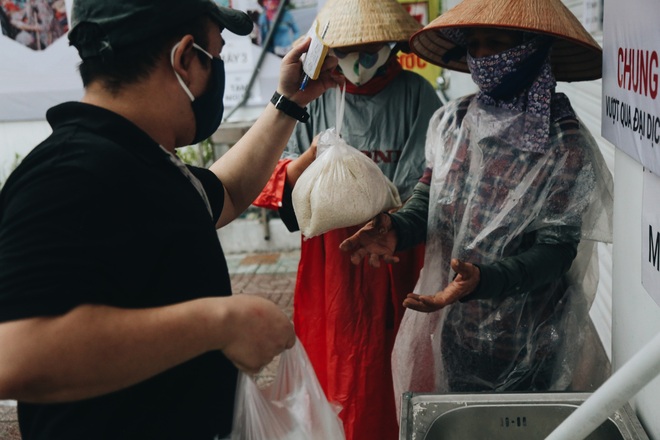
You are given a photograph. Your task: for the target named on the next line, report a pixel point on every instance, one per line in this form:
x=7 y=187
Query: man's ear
x=182 y=56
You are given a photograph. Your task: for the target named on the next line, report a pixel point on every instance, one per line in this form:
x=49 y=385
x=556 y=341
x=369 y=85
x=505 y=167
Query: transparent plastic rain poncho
x=488 y=199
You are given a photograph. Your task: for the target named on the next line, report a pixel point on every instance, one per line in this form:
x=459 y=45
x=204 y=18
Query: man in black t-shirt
x=116 y=314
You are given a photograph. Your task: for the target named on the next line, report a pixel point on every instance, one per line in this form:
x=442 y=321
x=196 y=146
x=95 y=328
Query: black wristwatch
x=289 y=108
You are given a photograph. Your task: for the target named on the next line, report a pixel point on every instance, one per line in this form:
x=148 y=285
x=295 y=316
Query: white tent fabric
x=32 y=80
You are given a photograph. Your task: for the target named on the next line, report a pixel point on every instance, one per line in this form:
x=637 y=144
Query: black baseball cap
x=120 y=23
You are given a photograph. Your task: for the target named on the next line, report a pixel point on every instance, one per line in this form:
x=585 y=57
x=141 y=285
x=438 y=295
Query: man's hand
x=291 y=75
x=143 y=342
x=465 y=282
x=376 y=240
x=259 y=331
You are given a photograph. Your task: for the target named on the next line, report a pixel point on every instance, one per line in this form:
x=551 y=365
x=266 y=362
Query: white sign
x=631 y=69
x=235 y=88
x=238 y=56
x=651 y=236
x=592 y=16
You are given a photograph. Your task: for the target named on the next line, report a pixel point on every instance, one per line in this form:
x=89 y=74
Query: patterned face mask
x=507 y=73
x=521 y=79
x=360 y=67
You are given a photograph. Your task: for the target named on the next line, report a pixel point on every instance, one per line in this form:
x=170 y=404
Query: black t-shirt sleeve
x=215 y=191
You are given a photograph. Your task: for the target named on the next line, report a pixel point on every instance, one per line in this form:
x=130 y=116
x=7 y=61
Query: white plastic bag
x=293 y=407
x=342 y=187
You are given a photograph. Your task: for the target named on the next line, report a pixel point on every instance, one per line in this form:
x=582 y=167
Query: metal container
x=504 y=416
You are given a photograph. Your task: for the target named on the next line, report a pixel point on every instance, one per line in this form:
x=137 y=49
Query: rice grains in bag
x=342 y=187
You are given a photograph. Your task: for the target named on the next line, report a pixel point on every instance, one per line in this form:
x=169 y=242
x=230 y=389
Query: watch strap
x=289 y=108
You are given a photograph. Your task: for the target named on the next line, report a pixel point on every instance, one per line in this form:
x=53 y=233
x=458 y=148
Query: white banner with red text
x=631 y=65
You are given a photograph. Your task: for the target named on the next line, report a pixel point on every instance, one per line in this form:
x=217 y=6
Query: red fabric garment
x=271 y=196
x=11 y=7
x=346 y=317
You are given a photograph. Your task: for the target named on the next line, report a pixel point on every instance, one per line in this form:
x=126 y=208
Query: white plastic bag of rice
x=342 y=187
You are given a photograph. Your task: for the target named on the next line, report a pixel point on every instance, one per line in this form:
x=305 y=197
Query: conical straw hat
x=575 y=54
x=354 y=22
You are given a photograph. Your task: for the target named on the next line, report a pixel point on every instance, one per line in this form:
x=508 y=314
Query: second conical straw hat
x=354 y=22
x=575 y=55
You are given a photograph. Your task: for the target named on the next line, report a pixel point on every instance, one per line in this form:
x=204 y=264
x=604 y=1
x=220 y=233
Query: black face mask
x=208 y=108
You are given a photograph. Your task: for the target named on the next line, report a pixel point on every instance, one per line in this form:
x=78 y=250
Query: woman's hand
x=466 y=281
x=297 y=166
x=376 y=239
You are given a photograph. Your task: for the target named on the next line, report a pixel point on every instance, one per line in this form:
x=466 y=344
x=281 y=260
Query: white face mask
x=360 y=67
